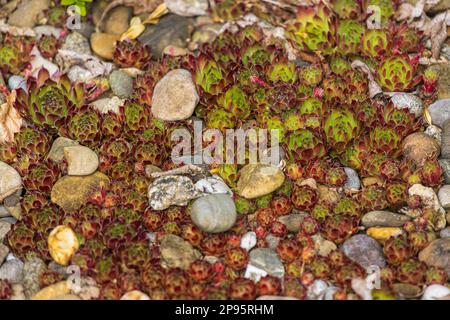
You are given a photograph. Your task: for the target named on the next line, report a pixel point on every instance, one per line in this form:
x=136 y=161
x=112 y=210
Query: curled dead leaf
x=10 y=119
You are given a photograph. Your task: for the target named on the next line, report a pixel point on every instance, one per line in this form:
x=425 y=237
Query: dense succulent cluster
x=320 y=112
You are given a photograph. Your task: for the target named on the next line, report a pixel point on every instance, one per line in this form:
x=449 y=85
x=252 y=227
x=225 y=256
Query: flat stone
x=444 y=196
x=364 y=250
x=4 y=229
x=81 y=161
x=10 y=180
x=214 y=213
x=440 y=111
x=383 y=233
x=118 y=20
x=267 y=260
x=187 y=8
x=121 y=84
x=384 y=219
x=32 y=270
x=72 y=192
x=53 y=291
x=257 y=180
x=437 y=254
x=175 y=96
x=408 y=101
x=177 y=252
x=28 y=13
x=103 y=44
x=353 y=181
x=56 y=152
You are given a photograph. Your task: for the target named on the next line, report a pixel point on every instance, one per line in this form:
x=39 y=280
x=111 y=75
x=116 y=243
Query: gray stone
x=4 y=229
x=56 y=152
x=174 y=96
x=445 y=233
x=28 y=13
x=106 y=105
x=443 y=85
x=46 y=30
x=440 y=112
x=364 y=250
x=384 y=219
x=171 y=190
x=445 y=165
x=121 y=83
x=177 y=252
x=16 y=82
x=4 y=212
x=81 y=161
x=187 y=8
x=258 y=179
x=445 y=140
x=409 y=101
x=444 y=196
x=10 y=180
x=87 y=28
x=4 y=251
x=353 y=181
x=32 y=269
x=170 y=30
x=293 y=221
x=437 y=254
x=435 y=132
x=117 y=20
x=267 y=260
x=214 y=213
x=12 y=270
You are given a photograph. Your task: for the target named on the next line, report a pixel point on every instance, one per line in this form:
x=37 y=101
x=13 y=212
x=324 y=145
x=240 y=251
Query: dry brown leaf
x=10 y=119
x=374 y=88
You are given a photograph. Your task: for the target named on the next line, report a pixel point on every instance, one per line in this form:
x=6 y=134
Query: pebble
x=359 y=286
x=12 y=205
x=187 y=8
x=317 y=290
x=28 y=12
x=248 y=240
x=4 y=229
x=419 y=146
x=4 y=212
x=437 y=254
x=323 y=246
x=121 y=84
x=430 y=199
x=407 y=291
x=364 y=250
x=409 y=101
x=445 y=233
x=440 y=111
x=12 y=270
x=53 y=291
x=106 y=105
x=445 y=165
x=213 y=185
x=253 y=273
x=79 y=74
x=177 y=252
x=171 y=190
x=32 y=269
x=435 y=132
x=62 y=244
x=175 y=96
x=72 y=192
x=81 y=161
x=272 y=241
x=267 y=260
x=4 y=251
x=353 y=181
x=46 y=30
x=118 y=20
x=135 y=295
x=10 y=180
x=384 y=219
x=445 y=140
x=259 y=179
x=436 y=292
x=78 y=43
x=16 y=82
x=383 y=233
x=444 y=196
x=56 y=152
x=103 y=44
x=214 y=213
x=171 y=29
x=293 y=221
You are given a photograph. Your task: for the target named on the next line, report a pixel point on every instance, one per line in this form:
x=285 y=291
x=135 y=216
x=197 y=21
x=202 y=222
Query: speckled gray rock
x=106 y=105
x=171 y=190
x=12 y=270
x=384 y=219
x=445 y=140
x=170 y=30
x=444 y=196
x=32 y=269
x=364 y=250
x=267 y=260
x=121 y=83
x=81 y=161
x=177 y=252
x=353 y=181
x=435 y=132
x=4 y=251
x=77 y=42
x=56 y=152
x=10 y=180
x=409 y=101
x=445 y=233
x=292 y=221
x=445 y=165
x=174 y=96
x=258 y=179
x=440 y=112
x=187 y=8
x=214 y=213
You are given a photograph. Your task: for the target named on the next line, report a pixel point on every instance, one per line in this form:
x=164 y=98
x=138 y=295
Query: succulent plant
x=56 y=16
x=32 y=143
x=229 y=9
x=84 y=126
x=49 y=102
x=131 y=53
x=14 y=54
x=304 y=197
x=268 y=285
x=396 y=194
x=242 y=289
x=21 y=239
x=136 y=117
x=397 y=73
x=311 y=75
x=209 y=75
x=435 y=275
x=431 y=173
x=348 y=36
x=340 y=127
x=304 y=146
x=397 y=250
x=385 y=140
x=375 y=43
x=235 y=101
x=338 y=228
x=42 y=176
x=412 y=272
x=48 y=46
x=282 y=70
